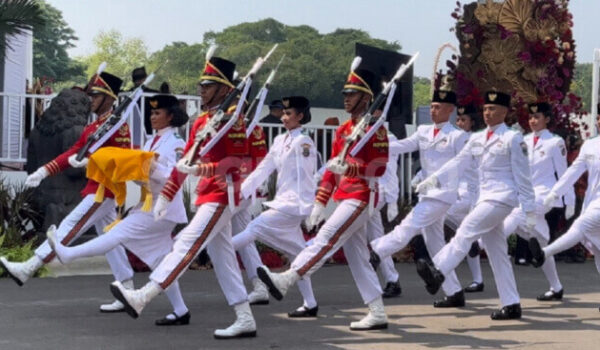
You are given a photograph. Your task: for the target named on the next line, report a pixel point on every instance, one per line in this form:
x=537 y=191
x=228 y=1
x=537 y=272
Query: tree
x=182 y=68
x=421 y=92
x=120 y=54
x=17 y=17
x=316 y=65
x=50 y=44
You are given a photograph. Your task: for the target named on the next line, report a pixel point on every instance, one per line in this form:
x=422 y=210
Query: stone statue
x=58 y=128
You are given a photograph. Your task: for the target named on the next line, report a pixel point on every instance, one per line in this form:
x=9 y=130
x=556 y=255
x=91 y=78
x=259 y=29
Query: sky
x=417 y=25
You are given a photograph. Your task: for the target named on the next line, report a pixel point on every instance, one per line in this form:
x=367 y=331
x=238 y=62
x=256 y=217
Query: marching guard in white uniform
x=148 y=239
x=293 y=156
x=437 y=144
x=586 y=228
x=504 y=183
x=547 y=161
x=467 y=119
x=103 y=90
x=353 y=185
x=218 y=194
x=388 y=192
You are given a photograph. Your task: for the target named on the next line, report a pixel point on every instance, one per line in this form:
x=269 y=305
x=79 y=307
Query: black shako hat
x=497 y=98
x=168 y=102
x=218 y=70
x=300 y=104
x=362 y=80
x=107 y=84
x=444 y=96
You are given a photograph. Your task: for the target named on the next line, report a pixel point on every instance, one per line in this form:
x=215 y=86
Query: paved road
x=61 y=313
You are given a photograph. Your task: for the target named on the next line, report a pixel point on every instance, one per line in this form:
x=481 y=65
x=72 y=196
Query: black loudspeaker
x=386 y=63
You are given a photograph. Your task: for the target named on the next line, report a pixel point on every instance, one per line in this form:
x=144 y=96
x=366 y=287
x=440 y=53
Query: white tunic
x=293 y=155
x=167 y=146
x=434 y=152
x=388 y=182
x=548 y=161
x=502 y=164
x=587 y=160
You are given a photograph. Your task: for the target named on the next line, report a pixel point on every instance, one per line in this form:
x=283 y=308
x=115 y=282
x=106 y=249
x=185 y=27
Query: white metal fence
x=19 y=115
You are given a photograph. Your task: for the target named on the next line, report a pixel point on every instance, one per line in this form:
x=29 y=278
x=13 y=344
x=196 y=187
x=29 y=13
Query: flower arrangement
x=525 y=47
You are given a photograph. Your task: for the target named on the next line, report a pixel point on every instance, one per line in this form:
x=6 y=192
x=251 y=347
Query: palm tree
x=16 y=17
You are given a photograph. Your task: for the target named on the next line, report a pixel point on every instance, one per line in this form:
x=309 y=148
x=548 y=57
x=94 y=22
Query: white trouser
x=148 y=239
x=85 y=215
x=516 y=223
x=455 y=215
x=248 y=253
x=375 y=230
x=586 y=228
x=282 y=232
x=345 y=228
x=210 y=228
x=427 y=217
x=485 y=221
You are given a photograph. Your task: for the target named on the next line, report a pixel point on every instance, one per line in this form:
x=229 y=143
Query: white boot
x=135 y=300
x=375 y=319
x=243 y=327
x=117 y=306
x=278 y=283
x=260 y=294
x=20 y=272
x=53 y=242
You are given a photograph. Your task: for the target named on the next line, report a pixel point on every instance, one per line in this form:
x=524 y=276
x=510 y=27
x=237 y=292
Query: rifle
x=113 y=122
x=259 y=100
x=359 y=129
x=211 y=127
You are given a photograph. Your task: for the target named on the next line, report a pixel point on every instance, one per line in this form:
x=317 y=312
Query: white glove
x=160 y=208
x=550 y=199
x=337 y=167
x=317 y=177
x=34 y=179
x=429 y=183
x=415 y=181
x=569 y=211
x=263 y=190
x=316 y=216
x=392 y=211
x=531 y=220
x=255 y=209
x=187 y=169
x=77 y=164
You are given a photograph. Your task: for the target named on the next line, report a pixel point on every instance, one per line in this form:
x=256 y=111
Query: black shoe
x=392 y=289
x=509 y=312
x=474 y=251
x=374 y=260
x=455 y=300
x=474 y=287
x=303 y=311
x=537 y=254
x=551 y=295
x=431 y=275
x=176 y=321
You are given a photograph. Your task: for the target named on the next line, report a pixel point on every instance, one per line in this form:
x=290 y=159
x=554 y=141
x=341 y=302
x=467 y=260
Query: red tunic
x=121 y=138
x=224 y=158
x=370 y=161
